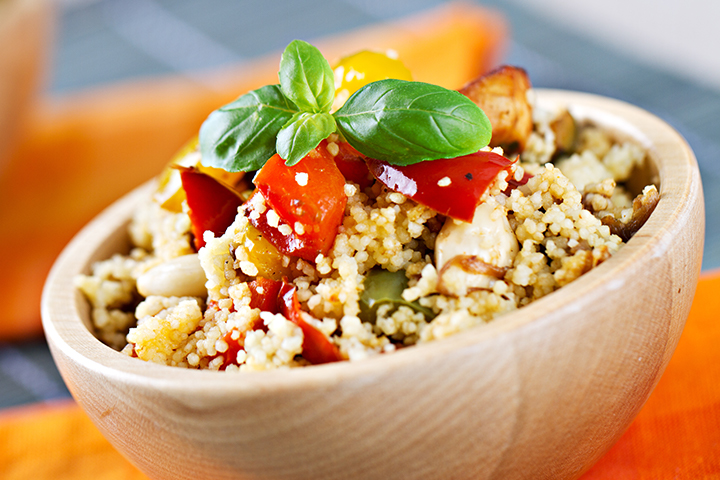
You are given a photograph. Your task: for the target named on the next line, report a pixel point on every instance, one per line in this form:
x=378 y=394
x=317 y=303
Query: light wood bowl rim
x=64 y=328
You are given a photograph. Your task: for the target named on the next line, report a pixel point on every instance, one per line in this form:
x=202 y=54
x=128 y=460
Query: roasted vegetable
x=452 y=186
x=352 y=165
x=565 y=129
x=317 y=348
x=212 y=205
x=383 y=287
x=258 y=250
x=643 y=206
x=307 y=201
x=170 y=194
x=502 y=95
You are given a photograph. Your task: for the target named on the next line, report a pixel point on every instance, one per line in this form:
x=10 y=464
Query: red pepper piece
x=512 y=183
x=317 y=348
x=291 y=244
x=311 y=194
x=352 y=165
x=264 y=294
x=213 y=205
x=229 y=356
x=465 y=179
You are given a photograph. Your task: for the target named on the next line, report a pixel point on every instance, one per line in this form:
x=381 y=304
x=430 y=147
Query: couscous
x=406 y=258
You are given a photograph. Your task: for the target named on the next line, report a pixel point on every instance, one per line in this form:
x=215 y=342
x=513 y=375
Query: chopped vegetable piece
x=264 y=294
x=170 y=194
x=268 y=260
x=309 y=199
x=565 y=130
x=317 y=348
x=213 y=205
x=643 y=206
x=502 y=95
x=452 y=186
x=382 y=287
x=352 y=165
x=357 y=70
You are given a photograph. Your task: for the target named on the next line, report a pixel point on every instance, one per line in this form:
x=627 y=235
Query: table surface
x=106 y=41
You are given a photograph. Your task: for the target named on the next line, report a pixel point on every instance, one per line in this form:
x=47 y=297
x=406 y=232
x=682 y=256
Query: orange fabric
x=676 y=435
x=57 y=442
x=84 y=151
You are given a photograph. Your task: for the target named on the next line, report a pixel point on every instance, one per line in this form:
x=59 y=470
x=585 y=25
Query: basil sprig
x=393 y=120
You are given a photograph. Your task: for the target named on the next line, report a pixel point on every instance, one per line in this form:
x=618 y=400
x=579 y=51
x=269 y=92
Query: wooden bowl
x=542 y=392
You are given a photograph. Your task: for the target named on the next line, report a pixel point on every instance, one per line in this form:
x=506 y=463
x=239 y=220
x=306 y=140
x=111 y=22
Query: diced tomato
x=309 y=198
x=352 y=165
x=452 y=186
x=213 y=205
x=317 y=348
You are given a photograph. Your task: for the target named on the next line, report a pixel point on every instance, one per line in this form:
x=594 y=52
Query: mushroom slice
x=502 y=95
x=471 y=256
x=643 y=206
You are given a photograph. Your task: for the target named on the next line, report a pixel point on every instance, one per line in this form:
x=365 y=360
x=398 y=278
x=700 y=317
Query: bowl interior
x=670 y=165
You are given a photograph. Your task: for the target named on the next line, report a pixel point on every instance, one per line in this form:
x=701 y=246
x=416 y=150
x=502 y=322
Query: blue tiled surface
x=113 y=40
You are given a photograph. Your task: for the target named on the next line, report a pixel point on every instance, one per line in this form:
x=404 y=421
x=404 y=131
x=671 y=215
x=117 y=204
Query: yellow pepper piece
x=355 y=71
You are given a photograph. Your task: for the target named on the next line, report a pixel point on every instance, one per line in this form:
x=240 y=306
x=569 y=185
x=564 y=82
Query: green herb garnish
x=405 y=122
x=241 y=135
x=397 y=121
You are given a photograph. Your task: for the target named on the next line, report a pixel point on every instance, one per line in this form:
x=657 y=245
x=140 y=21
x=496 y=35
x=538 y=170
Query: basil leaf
x=303 y=133
x=241 y=135
x=405 y=122
x=306 y=77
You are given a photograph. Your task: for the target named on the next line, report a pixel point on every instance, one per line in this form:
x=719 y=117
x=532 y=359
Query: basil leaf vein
x=241 y=135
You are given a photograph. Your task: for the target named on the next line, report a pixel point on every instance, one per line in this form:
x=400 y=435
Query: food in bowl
x=290 y=235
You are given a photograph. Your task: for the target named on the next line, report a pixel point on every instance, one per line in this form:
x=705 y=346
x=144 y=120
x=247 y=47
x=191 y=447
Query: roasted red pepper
x=452 y=186
x=317 y=348
x=309 y=198
x=352 y=165
x=264 y=294
x=213 y=205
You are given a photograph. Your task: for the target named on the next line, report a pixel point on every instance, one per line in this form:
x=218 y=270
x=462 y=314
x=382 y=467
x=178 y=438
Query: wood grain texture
x=540 y=393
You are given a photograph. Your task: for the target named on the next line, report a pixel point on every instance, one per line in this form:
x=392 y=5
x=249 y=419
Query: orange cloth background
x=675 y=436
